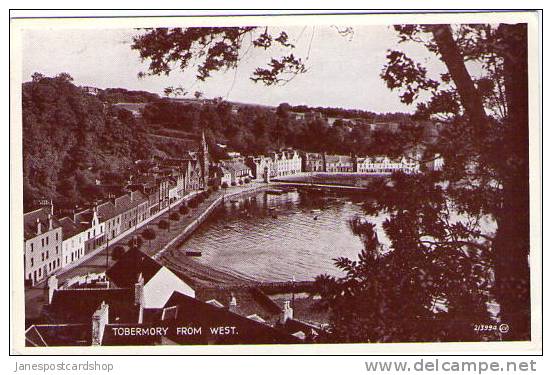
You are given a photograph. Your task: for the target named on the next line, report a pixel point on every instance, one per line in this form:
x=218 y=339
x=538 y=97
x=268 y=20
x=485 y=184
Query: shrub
x=183 y=209
x=174 y=216
x=233 y=183
x=225 y=185
x=163 y=224
x=241 y=182
x=117 y=252
x=216 y=188
x=247 y=180
x=148 y=234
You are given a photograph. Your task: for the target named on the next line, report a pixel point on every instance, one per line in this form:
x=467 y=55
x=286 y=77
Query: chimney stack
x=52 y=287
x=287 y=312
x=38 y=226
x=50 y=222
x=139 y=298
x=99 y=320
x=233 y=304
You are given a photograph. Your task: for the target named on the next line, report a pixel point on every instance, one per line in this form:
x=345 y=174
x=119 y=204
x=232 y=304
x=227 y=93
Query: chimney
x=52 y=287
x=51 y=206
x=139 y=298
x=38 y=226
x=50 y=222
x=99 y=320
x=287 y=312
x=233 y=304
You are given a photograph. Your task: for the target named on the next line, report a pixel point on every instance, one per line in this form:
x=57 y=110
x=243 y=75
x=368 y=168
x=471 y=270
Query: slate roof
x=78 y=305
x=70 y=228
x=30 y=221
x=130 y=265
x=42 y=335
x=194 y=313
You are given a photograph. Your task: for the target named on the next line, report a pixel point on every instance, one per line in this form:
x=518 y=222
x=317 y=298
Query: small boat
x=315 y=218
x=316 y=210
x=234 y=201
x=193 y=253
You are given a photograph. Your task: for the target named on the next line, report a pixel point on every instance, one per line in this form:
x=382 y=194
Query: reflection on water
x=277 y=237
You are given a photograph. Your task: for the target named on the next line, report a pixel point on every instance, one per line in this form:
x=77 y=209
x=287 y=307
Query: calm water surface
x=277 y=237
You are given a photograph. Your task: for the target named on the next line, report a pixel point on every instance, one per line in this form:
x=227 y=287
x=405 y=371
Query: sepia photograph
x=299 y=180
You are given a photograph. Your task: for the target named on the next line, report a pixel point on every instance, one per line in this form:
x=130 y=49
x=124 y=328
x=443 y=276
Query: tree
x=117 y=252
x=435 y=229
x=148 y=234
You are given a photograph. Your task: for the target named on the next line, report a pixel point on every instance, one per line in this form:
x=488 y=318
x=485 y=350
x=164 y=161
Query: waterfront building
x=261 y=167
x=339 y=163
x=94 y=229
x=312 y=162
x=238 y=170
x=43 y=240
x=285 y=163
x=73 y=241
x=111 y=217
x=386 y=165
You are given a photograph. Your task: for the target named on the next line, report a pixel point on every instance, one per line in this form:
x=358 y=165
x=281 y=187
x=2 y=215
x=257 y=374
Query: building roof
x=58 y=335
x=194 y=313
x=78 y=305
x=234 y=165
x=130 y=265
x=30 y=222
x=338 y=159
x=70 y=228
x=107 y=211
x=249 y=301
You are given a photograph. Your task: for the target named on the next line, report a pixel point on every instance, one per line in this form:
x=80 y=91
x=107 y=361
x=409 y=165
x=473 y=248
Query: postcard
x=329 y=184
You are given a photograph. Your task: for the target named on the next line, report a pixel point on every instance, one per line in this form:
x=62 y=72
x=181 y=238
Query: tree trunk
x=511 y=245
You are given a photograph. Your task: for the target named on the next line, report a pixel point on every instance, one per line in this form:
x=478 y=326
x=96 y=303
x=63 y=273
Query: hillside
x=71 y=139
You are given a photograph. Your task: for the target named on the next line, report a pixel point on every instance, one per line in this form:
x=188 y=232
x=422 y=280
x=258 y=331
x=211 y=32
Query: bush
x=163 y=224
x=174 y=216
x=247 y=180
x=148 y=234
x=117 y=252
x=193 y=203
x=224 y=185
x=233 y=183
x=241 y=182
x=183 y=209
x=216 y=187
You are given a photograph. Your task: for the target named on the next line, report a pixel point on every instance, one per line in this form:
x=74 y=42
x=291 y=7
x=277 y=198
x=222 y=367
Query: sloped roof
x=30 y=222
x=70 y=228
x=107 y=211
x=194 y=313
x=130 y=265
x=338 y=159
x=78 y=305
x=42 y=335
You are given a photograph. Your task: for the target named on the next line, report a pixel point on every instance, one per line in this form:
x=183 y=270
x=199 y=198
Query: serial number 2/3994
x=502 y=328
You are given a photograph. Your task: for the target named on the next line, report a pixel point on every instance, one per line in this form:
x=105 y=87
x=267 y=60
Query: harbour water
x=269 y=237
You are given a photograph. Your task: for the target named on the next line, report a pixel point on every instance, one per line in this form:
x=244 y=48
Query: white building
x=135 y=268
x=386 y=165
x=285 y=163
x=73 y=241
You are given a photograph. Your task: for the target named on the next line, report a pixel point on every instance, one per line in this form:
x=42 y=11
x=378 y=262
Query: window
x=42 y=240
x=42 y=256
x=47 y=240
x=47 y=255
x=32 y=247
x=57 y=249
x=40 y=272
x=32 y=262
x=58 y=262
x=57 y=236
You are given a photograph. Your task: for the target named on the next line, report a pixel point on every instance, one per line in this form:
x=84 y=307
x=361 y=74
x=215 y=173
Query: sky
x=343 y=71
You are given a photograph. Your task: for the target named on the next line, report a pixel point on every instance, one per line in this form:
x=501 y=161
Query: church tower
x=204 y=160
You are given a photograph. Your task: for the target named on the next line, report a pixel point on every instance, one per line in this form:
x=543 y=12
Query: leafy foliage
x=70 y=141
